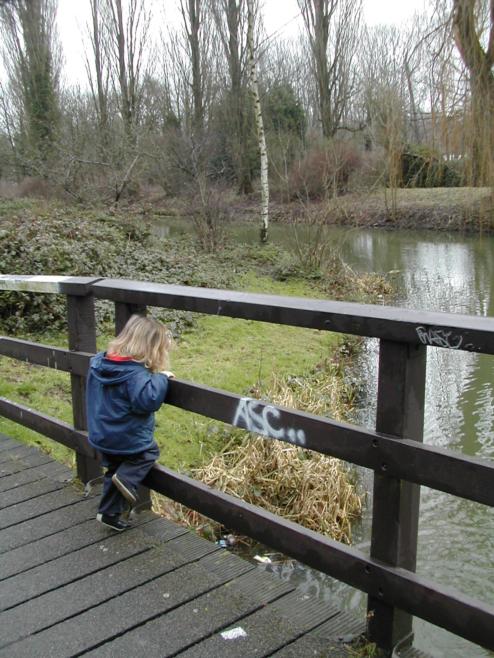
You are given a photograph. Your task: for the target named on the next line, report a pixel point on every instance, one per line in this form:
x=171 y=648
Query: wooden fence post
x=82 y=338
x=400 y=412
x=123 y=311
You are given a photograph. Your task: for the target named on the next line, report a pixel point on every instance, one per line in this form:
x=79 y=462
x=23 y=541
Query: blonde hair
x=145 y=340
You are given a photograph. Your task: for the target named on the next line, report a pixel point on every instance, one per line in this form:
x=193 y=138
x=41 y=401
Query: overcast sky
x=281 y=17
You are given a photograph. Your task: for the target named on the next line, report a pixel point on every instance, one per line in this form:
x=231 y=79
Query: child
x=125 y=386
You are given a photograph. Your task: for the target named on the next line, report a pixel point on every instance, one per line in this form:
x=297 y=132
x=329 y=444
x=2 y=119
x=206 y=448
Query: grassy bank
x=469 y=209
x=442 y=209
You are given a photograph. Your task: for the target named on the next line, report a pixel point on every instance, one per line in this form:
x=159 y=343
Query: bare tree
x=332 y=28
x=192 y=23
x=33 y=59
x=128 y=41
x=98 y=71
x=189 y=66
x=473 y=30
x=230 y=18
x=442 y=81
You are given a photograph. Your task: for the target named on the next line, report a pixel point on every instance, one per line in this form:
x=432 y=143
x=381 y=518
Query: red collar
x=117 y=357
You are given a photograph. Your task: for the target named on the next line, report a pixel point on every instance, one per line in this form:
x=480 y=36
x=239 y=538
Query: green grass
x=220 y=352
x=41 y=389
x=423 y=197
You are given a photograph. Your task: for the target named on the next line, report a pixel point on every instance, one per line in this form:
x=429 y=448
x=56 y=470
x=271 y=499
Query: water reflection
x=450 y=274
x=433 y=272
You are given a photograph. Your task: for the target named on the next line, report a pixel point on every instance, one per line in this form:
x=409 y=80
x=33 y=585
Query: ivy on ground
x=66 y=242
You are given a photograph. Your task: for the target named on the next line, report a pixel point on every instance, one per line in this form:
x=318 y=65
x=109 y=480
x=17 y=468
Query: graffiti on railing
x=264 y=419
x=440 y=338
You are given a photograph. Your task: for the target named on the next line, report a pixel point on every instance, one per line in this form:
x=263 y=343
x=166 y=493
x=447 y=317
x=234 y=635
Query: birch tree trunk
x=259 y=124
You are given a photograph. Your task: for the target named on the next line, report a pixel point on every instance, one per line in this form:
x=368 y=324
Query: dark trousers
x=131 y=469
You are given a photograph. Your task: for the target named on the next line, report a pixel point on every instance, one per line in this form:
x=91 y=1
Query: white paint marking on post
x=234 y=633
x=49 y=277
x=32 y=283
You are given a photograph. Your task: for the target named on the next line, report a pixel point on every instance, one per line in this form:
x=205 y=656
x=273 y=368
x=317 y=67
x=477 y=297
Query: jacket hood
x=112 y=372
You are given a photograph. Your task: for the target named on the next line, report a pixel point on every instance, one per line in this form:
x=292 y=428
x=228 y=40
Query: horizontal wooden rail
x=438 y=468
x=45 y=355
x=468 y=477
x=435 y=603
x=47 y=426
x=457 y=332
x=450 y=331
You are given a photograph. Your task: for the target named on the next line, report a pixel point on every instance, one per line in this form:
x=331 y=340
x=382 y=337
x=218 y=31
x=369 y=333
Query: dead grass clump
x=313 y=490
x=310 y=489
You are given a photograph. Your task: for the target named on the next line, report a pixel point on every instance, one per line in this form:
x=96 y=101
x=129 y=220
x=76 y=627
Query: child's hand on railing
x=169 y=374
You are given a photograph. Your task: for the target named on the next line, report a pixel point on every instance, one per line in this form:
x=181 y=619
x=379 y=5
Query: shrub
x=283 y=111
x=56 y=242
x=423 y=167
x=324 y=171
x=211 y=215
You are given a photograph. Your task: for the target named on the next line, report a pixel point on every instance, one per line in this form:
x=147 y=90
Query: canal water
x=450 y=273
x=431 y=272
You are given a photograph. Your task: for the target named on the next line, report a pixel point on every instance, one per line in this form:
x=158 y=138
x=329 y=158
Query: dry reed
x=313 y=490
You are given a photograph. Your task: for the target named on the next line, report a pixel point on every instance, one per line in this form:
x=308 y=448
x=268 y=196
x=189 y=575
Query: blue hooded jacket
x=122 y=397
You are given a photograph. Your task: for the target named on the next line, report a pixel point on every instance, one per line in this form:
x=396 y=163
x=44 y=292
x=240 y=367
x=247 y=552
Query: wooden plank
x=267 y=630
x=49 y=469
x=129 y=609
x=124 y=311
x=28 y=491
x=48 y=524
x=304 y=610
x=451 y=331
x=443 y=606
x=48 y=426
x=47 y=283
x=132 y=563
x=45 y=355
x=30 y=460
x=438 y=468
x=344 y=628
x=81 y=322
x=190 y=623
x=333 y=638
x=309 y=645
x=72 y=554
x=37 y=507
x=6 y=443
x=16 y=453
x=413 y=653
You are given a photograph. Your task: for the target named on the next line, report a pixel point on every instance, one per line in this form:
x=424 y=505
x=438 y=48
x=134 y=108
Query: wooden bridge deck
x=70 y=587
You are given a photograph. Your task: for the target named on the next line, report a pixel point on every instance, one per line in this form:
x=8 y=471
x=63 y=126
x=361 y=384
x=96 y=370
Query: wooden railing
x=394 y=451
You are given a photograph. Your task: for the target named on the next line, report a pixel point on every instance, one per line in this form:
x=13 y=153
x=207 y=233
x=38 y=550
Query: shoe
x=126 y=491
x=113 y=522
